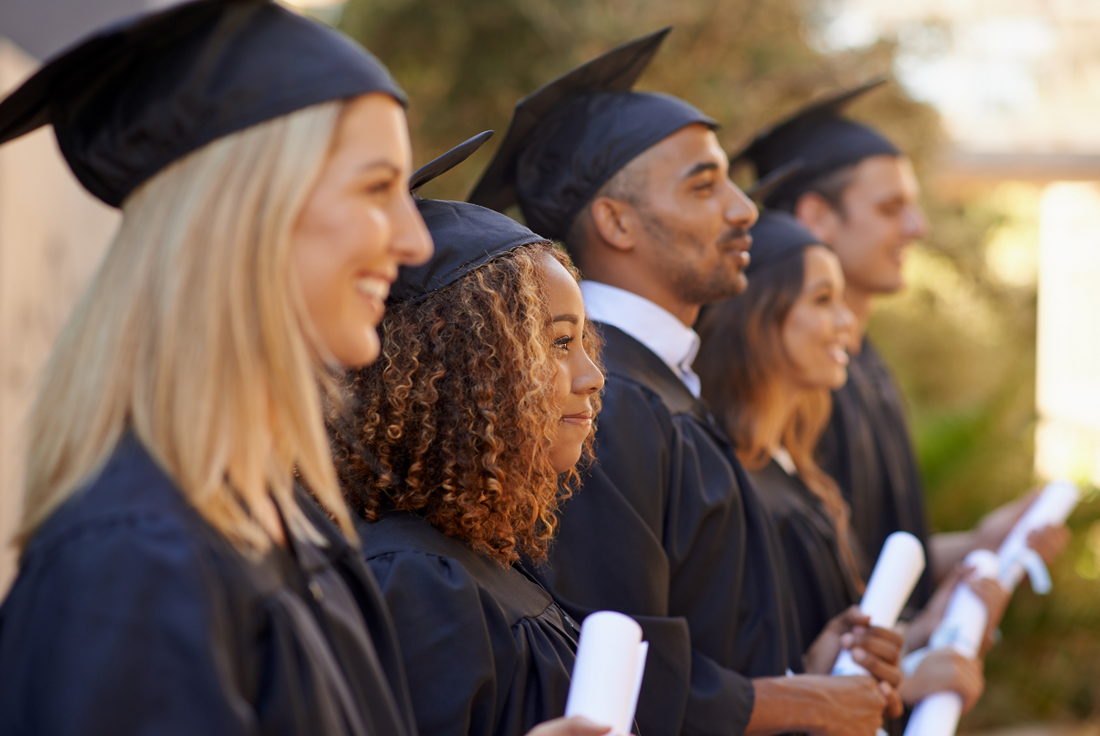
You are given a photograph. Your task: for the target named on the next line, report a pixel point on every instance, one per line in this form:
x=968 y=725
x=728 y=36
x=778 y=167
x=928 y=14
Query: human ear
x=817 y=216
x=615 y=222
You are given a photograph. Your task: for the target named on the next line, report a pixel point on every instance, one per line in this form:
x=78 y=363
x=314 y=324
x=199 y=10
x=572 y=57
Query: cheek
x=563 y=382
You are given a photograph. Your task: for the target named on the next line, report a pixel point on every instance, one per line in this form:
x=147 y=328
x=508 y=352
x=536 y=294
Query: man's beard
x=690 y=283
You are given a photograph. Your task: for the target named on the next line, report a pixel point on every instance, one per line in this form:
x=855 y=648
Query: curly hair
x=456 y=419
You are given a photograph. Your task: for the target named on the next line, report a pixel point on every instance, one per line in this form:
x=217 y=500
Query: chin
x=564 y=461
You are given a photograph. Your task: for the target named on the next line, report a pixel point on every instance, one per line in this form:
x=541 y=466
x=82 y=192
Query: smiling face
x=357 y=226
x=695 y=220
x=879 y=217
x=578 y=379
x=819 y=328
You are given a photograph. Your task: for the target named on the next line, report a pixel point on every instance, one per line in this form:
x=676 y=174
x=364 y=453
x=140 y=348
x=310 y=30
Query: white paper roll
x=607 y=674
x=896 y=572
x=1053 y=506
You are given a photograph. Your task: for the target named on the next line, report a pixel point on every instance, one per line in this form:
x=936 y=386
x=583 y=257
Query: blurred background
x=996 y=339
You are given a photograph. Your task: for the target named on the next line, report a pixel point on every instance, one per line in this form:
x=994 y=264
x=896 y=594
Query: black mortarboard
x=775 y=236
x=818 y=137
x=144 y=92
x=466 y=236
x=572 y=135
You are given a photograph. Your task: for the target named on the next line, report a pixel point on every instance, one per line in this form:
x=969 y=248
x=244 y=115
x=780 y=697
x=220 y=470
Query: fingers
x=1049 y=541
x=971 y=682
x=886 y=644
x=894 y=705
x=575 y=726
x=886 y=672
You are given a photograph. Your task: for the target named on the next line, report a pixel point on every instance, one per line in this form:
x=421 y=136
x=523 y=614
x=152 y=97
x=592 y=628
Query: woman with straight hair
x=171 y=578
x=462 y=443
x=768 y=360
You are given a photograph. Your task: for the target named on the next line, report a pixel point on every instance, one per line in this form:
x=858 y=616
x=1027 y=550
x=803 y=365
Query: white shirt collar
x=671 y=340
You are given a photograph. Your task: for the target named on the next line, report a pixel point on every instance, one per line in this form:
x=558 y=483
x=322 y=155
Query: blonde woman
x=171 y=579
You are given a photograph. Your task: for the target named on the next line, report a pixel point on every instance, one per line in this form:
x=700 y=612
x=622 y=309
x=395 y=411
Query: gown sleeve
x=116 y=630
x=639 y=537
x=457 y=647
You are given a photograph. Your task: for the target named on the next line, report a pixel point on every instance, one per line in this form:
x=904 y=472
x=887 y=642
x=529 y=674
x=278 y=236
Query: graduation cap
x=135 y=96
x=777 y=235
x=572 y=135
x=818 y=137
x=466 y=236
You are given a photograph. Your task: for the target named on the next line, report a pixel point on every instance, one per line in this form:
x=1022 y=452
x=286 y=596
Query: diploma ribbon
x=1036 y=569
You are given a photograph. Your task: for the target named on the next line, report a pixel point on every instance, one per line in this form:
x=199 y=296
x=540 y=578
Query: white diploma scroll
x=607 y=674
x=962 y=627
x=1053 y=506
x=896 y=572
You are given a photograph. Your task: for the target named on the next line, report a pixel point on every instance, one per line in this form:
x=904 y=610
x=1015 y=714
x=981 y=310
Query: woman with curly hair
x=482 y=401
x=767 y=362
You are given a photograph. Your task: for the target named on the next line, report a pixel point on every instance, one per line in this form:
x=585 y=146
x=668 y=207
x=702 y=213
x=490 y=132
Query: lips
x=839 y=354
x=581 y=419
x=374 y=286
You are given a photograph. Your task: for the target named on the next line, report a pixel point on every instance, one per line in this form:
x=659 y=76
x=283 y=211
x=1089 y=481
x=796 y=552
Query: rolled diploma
x=607 y=673
x=1053 y=506
x=962 y=627
x=896 y=572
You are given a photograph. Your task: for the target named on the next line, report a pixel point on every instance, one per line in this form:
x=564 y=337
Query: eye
x=380 y=187
x=704 y=187
x=562 y=343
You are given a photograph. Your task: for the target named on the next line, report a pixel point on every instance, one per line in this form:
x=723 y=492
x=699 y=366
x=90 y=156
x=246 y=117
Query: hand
x=996 y=600
x=857 y=705
x=1049 y=541
x=875 y=649
x=945 y=669
x=995 y=526
x=924 y=623
x=575 y=726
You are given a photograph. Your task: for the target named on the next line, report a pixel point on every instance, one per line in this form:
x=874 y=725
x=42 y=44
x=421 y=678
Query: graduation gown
x=822 y=586
x=486 y=649
x=867 y=450
x=131 y=614
x=667 y=529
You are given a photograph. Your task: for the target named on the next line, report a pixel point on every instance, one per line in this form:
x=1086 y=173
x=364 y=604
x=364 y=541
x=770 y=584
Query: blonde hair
x=194 y=335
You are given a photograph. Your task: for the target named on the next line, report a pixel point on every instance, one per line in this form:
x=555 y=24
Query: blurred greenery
x=961 y=337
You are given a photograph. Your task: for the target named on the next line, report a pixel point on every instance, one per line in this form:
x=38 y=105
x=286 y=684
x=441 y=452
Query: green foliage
x=961 y=338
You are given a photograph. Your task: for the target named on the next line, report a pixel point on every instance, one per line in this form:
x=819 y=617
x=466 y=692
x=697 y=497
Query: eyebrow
x=574 y=319
x=700 y=167
x=819 y=284
x=378 y=163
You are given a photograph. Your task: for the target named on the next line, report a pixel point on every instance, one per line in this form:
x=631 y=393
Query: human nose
x=589 y=378
x=412 y=243
x=916 y=224
x=845 y=323
x=740 y=211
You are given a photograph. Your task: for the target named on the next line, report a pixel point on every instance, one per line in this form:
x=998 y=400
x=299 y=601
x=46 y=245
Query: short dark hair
x=625 y=185
x=829 y=186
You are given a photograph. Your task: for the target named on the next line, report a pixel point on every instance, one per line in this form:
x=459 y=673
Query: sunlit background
x=996 y=340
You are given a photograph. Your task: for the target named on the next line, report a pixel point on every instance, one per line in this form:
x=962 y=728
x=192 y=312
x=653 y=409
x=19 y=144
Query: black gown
x=132 y=615
x=821 y=583
x=867 y=450
x=486 y=649
x=667 y=529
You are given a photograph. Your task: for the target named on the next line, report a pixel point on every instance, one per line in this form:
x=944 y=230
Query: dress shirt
x=671 y=340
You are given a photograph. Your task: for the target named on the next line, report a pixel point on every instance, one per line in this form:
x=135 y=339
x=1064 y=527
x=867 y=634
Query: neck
x=779 y=417
x=860 y=302
x=621 y=276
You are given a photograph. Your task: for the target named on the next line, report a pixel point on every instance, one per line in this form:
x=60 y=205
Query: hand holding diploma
x=965 y=622
x=896 y=572
x=607 y=674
